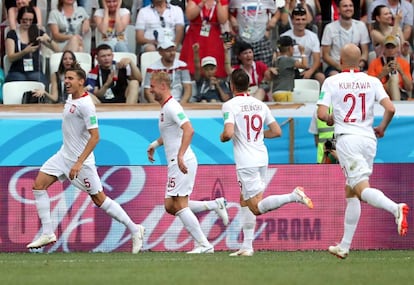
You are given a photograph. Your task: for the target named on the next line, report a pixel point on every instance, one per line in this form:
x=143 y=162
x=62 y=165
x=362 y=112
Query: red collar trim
x=351 y=70
x=242 y=94
x=168 y=99
x=85 y=94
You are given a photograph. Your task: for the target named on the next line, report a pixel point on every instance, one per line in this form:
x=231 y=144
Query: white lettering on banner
x=171 y=237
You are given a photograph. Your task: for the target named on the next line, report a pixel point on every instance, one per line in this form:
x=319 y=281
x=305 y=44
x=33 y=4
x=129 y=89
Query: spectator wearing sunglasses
x=341 y=32
x=309 y=41
x=157 y=23
x=285 y=23
x=68 y=24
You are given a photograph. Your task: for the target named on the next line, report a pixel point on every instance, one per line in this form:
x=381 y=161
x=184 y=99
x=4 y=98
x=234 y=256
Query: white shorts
x=251 y=181
x=88 y=179
x=356 y=156
x=180 y=184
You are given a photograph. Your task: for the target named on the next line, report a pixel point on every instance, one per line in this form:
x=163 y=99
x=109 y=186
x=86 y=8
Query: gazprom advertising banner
x=80 y=226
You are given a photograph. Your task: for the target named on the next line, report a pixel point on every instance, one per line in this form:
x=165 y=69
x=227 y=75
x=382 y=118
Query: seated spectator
x=111 y=22
x=57 y=92
x=113 y=82
x=12 y=13
x=384 y=24
x=285 y=24
x=181 y=87
x=396 y=6
x=340 y=32
x=23 y=48
x=284 y=69
x=309 y=40
x=209 y=87
x=157 y=23
x=257 y=70
x=68 y=24
x=393 y=71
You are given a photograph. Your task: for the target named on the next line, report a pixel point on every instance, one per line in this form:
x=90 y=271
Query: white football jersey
x=79 y=115
x=172 y=117
x=249 y=117
x=352 y=95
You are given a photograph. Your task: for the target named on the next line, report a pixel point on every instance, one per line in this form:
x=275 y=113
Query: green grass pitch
x=265 y=267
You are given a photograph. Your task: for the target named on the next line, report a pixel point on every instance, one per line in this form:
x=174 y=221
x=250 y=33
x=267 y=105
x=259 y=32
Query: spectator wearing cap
x=209 y=88
x=159 y=22
x=393 y=71
x=284 y=69
x=256 y=70
x=177 y=69
x=309 y=41
x=341 y=32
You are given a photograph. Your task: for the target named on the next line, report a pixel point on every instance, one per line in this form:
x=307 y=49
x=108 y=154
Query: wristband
x=154 y=144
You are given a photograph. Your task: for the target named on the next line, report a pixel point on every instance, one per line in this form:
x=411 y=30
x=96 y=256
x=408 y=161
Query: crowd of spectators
x=200 y=42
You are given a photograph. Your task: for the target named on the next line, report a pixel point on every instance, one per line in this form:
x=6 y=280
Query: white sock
x=115 y=210
x=43 y=210
x=274 y=201
x=200 y=206
x=376 y=198
x=352 y=214
x=192 y=225
x=248 y=221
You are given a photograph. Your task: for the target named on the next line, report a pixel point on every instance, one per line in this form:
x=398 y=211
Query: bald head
x=350 y=56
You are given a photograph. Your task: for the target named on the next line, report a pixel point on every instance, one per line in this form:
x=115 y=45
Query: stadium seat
x=84 y=59
x=306 y=91
x=120 y=55
x=13 y=91
x=6 y=64
x=131 y=38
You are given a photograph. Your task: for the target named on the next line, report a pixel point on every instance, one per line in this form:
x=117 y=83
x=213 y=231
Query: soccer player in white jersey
x=75 y=161
x=352 y=95
x=176 y=135
x=245 y=119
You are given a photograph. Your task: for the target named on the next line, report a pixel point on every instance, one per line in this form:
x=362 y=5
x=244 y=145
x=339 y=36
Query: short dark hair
x=242 y=46
x=240 y=80
x=103 y=47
